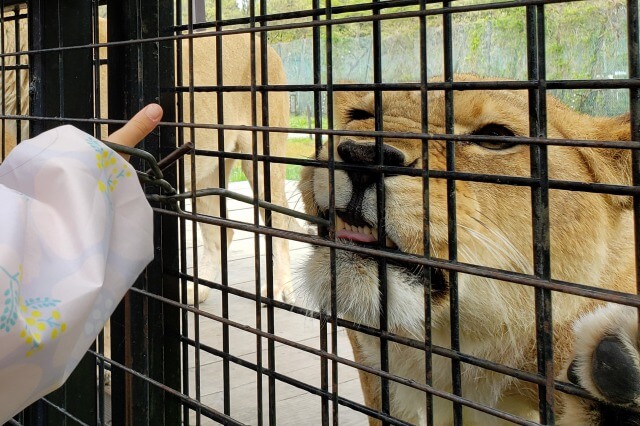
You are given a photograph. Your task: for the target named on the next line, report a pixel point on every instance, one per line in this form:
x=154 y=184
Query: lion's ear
x=611 y=166
x=350 y=106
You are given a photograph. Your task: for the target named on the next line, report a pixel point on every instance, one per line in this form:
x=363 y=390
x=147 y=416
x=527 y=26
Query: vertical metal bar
x=18 y=61
x=164 y=352
x=95 y=23
x=266 y=167
x=381 y=201
x=332 y=210
x=452 y=232
x=540 y=208
x=426 y=225
x=139 y=70
x=256 y=210
x=634 y=108
x=3 y=83
x=58 y=78
x=194 y=209
x=184 y=314
x=116 y=31
x=223 y=212
x=317 y=102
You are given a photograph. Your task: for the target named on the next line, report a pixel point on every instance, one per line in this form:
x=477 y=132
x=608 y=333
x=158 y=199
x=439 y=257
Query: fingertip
x=154 y=112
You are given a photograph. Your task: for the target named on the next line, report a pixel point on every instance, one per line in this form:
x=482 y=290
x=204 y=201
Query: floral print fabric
x=75 y=232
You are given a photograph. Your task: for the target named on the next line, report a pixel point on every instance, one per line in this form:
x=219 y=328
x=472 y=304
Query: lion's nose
x=365 y=153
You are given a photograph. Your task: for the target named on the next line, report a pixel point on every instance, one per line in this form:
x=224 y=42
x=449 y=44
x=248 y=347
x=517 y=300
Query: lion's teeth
x=339 y=224
x=389 y=242
x=366 y=230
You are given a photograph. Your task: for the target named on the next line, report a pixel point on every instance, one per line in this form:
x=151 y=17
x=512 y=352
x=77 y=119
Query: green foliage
x=583 y=40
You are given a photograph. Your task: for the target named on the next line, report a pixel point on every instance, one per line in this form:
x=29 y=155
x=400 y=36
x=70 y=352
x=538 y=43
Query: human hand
x=137 y=128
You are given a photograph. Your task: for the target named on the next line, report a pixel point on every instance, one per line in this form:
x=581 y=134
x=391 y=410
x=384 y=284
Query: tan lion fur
x=589 y=232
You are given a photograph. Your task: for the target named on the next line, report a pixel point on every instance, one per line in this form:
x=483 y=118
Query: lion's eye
x=497 y=130
x=355 y=114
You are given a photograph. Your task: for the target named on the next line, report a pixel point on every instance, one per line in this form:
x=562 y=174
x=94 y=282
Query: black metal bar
x=622 y=83
x=184 y=314
x=184 y=399
x=165 y=357
x=256 y=210
x=18 y=86
x=139 y=71
x=128 y=329
x=380 y=212
x=633 y=47
x=266 y=167
x=223 y=211
x=317 y=103
x=540 y=209
x=460 y=267
x=445 y=352
x=388 y=4
x=426 y=226
x=331 y=144
x=383 y=374
x=406 y=135
x=3 y=82
x=195 y=258
x=452 y=228
x=65 y=73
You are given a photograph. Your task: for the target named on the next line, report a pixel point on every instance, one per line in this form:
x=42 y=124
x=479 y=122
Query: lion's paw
x=203 y=294
x=606 y=364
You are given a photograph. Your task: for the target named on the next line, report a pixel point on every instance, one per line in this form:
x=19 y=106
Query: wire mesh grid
x=227 y=325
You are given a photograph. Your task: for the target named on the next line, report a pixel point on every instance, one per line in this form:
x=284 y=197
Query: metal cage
x=244 y=357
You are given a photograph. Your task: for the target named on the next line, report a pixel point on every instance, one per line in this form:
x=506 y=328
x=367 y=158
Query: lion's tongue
x=355 y=236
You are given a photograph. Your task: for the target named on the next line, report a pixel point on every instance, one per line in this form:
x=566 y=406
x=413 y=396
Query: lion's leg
x=281 y=261
x=606 y=363
x=369 y=383
x=209 y=257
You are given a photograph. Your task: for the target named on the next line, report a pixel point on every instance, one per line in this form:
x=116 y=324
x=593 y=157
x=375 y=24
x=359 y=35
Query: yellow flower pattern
x=39 y=323
x=40 y=320
x=107 y=161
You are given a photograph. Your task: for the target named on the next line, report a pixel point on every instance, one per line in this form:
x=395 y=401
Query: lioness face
x=494 y=221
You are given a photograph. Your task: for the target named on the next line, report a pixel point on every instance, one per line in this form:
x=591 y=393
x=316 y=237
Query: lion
x=594 y=343
x=237 y=110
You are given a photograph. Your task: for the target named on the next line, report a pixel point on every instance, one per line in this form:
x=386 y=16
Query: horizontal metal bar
x=383 y=134
x=392 y=337
x=65 y=412
x=223 y=192
x=600 y=188
x=291 y=381
x=174 y=156
x=364 y=7
x=310 y=24
x=345 y=361
x=466 y=268
x=435 y=86
x=192 y=403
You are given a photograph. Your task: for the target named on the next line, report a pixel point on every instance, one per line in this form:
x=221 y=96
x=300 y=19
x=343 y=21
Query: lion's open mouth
x=357 y=231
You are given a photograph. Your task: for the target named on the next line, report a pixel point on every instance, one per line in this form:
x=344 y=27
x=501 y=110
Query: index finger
x=138 y=127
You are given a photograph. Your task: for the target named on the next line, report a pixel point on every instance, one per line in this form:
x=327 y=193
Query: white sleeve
x=75 y=232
